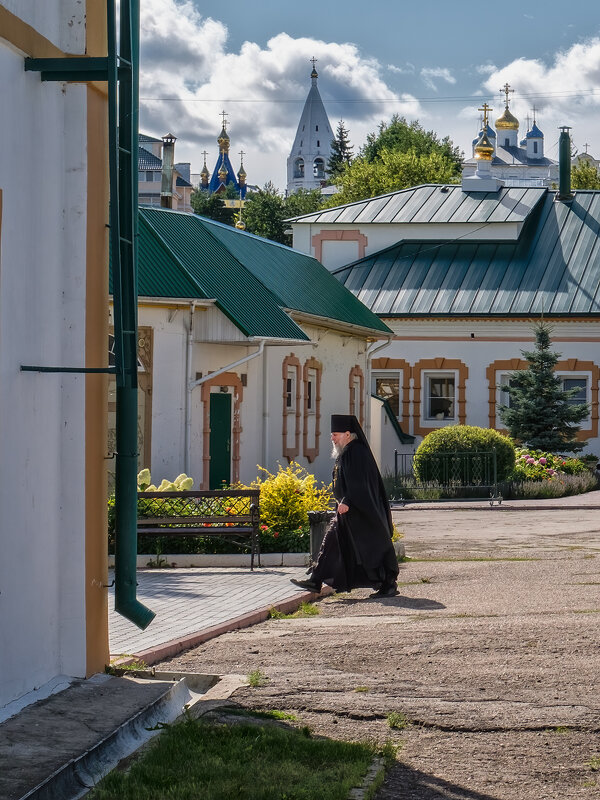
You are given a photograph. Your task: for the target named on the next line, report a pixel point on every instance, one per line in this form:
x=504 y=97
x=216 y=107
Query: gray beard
x=336 y=450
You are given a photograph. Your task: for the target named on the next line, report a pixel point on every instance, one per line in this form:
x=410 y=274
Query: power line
x=448 y=99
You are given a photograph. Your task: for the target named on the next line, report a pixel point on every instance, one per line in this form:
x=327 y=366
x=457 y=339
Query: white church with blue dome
x=515 y=162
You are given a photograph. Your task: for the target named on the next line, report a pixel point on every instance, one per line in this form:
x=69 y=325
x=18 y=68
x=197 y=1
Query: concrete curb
x=78 y=776
x=172 y=648
x=371 y=782
x=220 y=560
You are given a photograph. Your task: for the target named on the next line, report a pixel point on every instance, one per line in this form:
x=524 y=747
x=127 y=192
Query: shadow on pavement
x=405 y=783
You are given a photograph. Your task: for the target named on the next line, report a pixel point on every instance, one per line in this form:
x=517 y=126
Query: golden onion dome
x=223 y=171
x=204 y=170
x=223 y=140
x=484 y=149
x=240 y=225
x=507 y=122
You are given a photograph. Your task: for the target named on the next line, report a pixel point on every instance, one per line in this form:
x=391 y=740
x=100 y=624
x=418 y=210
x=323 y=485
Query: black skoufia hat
x=348 y=422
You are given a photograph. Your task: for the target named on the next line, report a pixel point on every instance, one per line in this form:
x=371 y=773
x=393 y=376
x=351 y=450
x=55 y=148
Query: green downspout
x=123 y=145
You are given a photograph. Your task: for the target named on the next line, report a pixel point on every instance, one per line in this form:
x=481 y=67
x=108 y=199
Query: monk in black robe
x=357 y=549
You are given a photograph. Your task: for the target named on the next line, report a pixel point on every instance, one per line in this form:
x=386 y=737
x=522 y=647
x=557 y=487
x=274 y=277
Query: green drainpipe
x=123 y=233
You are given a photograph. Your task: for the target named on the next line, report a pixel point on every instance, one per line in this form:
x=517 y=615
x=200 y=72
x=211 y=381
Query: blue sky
x=436 y=62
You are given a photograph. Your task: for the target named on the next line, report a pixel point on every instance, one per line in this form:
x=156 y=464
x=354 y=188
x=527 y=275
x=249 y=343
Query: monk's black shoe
x=310 y=586
x=385 y=591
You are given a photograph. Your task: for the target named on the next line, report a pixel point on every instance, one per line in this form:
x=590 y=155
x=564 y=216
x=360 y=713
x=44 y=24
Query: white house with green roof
x=245 y=349
x=460 y=273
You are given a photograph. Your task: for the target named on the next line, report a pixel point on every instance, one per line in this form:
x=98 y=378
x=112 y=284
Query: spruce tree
x=341 y=152
x=540 y=414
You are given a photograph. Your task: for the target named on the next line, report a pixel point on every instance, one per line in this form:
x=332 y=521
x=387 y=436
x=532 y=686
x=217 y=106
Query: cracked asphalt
x=488 y=658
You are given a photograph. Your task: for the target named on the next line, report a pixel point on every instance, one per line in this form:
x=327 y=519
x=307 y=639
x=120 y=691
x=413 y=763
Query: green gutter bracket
x=76 y=68
x=109 y=370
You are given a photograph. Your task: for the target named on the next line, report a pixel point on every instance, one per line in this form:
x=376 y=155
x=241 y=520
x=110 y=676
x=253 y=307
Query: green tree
x=406 y=137
x=266 y=210
x=584 y=175
x=304 y=201
x=341 y=152
x=392 y=170
x=264 y=213
x=211 y=206
x=541 y=414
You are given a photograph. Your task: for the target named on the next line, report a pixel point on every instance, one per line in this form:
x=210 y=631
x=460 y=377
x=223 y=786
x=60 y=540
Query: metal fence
x=433 y=477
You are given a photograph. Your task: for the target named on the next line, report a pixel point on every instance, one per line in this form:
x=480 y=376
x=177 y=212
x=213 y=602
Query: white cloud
x=430 y=74
x=187 y=76
x=565 y=92
x=407 y=69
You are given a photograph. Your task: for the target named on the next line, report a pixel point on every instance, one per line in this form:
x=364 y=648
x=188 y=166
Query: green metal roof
x=179 y=257
x=299 y=281
x=553 y=268
x=433 y=203
x=252 y=279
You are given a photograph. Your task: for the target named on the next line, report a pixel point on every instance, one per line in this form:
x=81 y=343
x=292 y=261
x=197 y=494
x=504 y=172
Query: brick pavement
x=196 y=604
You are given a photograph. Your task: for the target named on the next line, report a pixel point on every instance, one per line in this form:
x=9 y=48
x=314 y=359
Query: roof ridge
x=370 y=199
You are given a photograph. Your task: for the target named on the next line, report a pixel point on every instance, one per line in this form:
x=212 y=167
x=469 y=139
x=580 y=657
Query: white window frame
x=311 y=392
x=436 y=419
x=390 y=375
x=587 y=377
x=290 y=390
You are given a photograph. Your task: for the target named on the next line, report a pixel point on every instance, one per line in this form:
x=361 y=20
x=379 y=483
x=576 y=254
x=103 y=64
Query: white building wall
x=60 y=21
x=261 y=411
x=478 y=344
x=42 y=302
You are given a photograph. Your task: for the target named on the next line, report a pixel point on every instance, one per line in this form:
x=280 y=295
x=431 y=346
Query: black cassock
x=357 y=549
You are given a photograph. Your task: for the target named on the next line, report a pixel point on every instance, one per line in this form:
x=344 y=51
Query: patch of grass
x=257 y=678
x=362 y=689
x=425 y=580
x=195 y=759
x=303 y=610
x=118 y=669
x=269 y=714
x=587 y=611
x=474 y=558
x=397 y=720
x=560 y=729
x=593 y=763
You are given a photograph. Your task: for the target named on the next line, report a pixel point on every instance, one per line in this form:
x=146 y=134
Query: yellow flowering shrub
x=287 y=496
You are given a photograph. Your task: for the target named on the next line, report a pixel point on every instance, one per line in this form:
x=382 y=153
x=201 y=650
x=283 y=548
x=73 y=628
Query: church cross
x=485 y=108
x=506 y=89
x=224 y=114
x=314 y=61
x=586 y=145
x=242 y=154
x=535 y=110
x=204 y=153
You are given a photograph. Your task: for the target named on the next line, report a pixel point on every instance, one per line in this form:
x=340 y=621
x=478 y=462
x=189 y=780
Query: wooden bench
x=230 y=513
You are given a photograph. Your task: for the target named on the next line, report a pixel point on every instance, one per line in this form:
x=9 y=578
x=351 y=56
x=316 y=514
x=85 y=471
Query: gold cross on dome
x=224 y=114
x=507 y=90
x=314 y=61
x=485 y=108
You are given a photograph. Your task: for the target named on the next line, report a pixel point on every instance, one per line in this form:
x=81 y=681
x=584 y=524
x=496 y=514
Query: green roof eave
x=380 y=331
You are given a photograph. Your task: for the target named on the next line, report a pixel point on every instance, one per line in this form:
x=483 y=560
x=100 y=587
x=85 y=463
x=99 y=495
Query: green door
x=220 y=440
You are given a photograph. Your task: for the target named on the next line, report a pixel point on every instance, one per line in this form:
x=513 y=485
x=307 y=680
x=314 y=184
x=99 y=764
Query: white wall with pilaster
x=43 y=185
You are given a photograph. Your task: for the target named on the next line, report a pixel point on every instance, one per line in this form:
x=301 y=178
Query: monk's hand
x=343 y=508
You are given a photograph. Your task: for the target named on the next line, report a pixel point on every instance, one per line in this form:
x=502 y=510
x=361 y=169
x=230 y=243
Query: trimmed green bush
x=463 y=439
